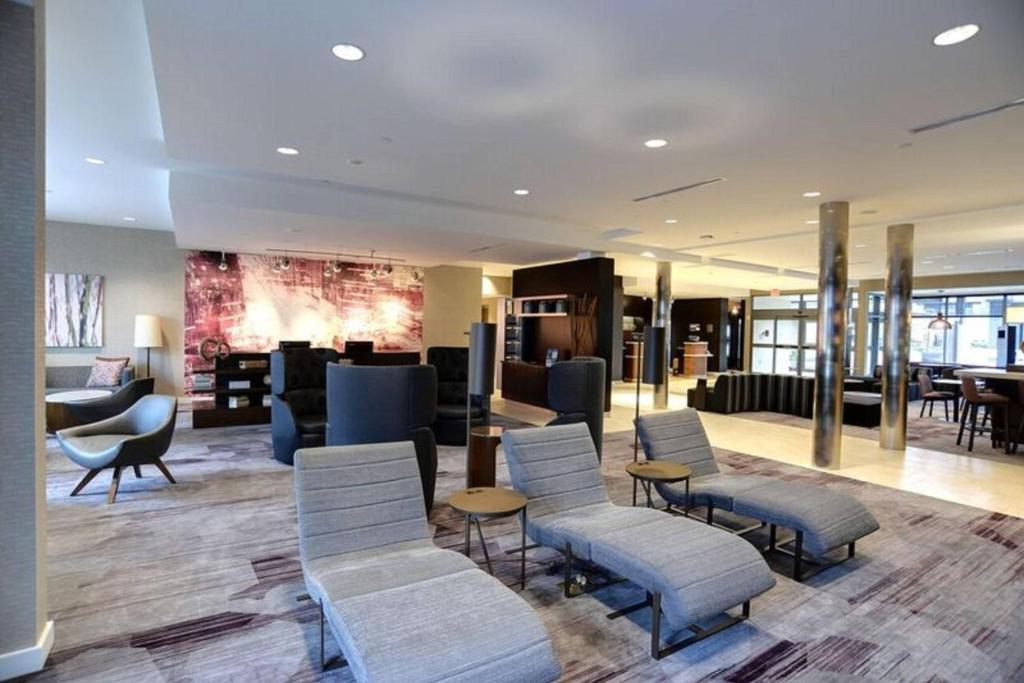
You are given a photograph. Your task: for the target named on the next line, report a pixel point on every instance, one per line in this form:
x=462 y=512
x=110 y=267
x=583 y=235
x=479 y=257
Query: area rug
x=932 y=433
x=200 y=581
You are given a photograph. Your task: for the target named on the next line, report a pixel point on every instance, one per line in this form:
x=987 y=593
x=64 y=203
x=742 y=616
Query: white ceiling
x=457 y=104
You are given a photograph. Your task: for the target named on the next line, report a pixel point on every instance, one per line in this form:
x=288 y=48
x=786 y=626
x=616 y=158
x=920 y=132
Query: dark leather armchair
x=576 y=393
x=452 y=364
x=298 y=413
x=368 y=404
x=139 y=436
x=94 y=410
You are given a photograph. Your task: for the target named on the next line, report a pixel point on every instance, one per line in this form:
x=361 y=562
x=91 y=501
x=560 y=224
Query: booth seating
x=298 y=414
x=381 y=404
x=452 y=364
x=736 y=392
x=822 y=519
x=400 y=608
x=872 y=384
x=690 y=571
x=576 y=393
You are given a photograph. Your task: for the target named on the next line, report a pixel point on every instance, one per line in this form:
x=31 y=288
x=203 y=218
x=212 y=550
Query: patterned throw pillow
x=106 y=372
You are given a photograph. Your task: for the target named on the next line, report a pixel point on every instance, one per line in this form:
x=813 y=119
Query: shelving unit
x=225 y=371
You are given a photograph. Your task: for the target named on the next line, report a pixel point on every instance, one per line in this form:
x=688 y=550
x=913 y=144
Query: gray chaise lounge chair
x=690 y=571
x=823 y=520
x=401 y=608
x=138 y=436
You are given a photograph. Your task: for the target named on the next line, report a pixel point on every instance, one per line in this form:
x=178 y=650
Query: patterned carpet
x=198 y=582
x=933 y=433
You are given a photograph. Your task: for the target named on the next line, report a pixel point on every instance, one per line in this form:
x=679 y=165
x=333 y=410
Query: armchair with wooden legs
x=139 y=436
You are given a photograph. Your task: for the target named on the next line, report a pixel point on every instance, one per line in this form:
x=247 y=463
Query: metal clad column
x=663 y=318
x=833 y=233
x=899 y=282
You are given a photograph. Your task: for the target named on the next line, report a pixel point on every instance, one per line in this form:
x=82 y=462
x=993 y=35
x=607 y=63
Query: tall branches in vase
x=583 y=323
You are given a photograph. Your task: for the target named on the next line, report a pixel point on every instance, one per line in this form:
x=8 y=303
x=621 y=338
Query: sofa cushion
x=718 y=489
x=106 y=372
x=311 y=424
x=829 y=519
x=307 y=402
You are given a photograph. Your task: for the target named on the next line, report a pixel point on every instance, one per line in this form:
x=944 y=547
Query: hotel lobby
x=578 y=341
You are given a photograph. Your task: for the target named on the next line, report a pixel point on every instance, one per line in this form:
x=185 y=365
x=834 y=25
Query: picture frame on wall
x=74 y=310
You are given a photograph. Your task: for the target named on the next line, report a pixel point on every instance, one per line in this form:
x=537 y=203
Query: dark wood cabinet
x=524 y=382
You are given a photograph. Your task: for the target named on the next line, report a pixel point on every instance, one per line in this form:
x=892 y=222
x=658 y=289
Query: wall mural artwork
x=251 y=306
x=74 y=310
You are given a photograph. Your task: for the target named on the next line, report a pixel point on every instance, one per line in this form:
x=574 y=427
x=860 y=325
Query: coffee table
x=649 y=472
x=491 y=502
x=57 y=415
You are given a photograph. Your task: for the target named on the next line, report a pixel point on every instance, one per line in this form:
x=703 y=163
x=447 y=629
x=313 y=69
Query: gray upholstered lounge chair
x=139 y=436
x=401 y=608
x=690 y=571
x=94 y=410
x=823 y=520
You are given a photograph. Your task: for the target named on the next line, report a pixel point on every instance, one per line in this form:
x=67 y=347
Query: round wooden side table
x=481 y=458
x=649 y=472
x=491 y=502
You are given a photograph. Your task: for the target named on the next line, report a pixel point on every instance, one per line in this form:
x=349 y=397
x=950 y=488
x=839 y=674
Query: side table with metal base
x=651 y=472
x=489 y=502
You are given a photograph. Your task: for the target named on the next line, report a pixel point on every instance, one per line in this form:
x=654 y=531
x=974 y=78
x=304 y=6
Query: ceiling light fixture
x=869 y=212
x=223 y=265
x=648 y=254
x=129 y=219
x=859 y=246
x=95 y=161
x=521 y=192
x=957 y=34
x=348 y=52
x=286 y=262
x=927 y=263
x=707 y=237
x=812 y=194
x=287 y=151
x=940 y=323
x=671 y=221
x=655 y=143
x=813 y=221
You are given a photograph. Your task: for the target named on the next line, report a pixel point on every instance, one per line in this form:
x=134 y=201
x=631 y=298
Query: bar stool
x=973 y=399
x=929 y=395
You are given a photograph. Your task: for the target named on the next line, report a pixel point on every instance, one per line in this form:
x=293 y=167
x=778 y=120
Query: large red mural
x=252 y=305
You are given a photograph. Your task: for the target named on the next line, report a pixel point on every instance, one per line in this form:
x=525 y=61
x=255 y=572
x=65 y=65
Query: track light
x=286 y=262
x=223 y=265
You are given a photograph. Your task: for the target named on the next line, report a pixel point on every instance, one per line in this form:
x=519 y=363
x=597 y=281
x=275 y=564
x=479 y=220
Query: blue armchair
x=452 y=364
x=576 y=393
x=298 y=413
x=368 y=404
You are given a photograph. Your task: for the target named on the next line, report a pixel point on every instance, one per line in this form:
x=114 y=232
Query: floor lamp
x=651 y=370
x=147 y=335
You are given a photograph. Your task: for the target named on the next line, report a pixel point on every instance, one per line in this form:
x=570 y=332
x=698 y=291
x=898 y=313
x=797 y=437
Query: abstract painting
x=252 y=305
x=74 y=310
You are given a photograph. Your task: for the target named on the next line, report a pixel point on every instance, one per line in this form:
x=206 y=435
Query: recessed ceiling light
x=130 y=219
x=521 y=192
x=812 y=194
x=355 y=162
x=655 y=143
x=287 y=151
x=869 y=212
x=707 y=237
x=648 y=254
x=671 y=221
x=813 y=221
x=94 y=161
x=957 y=34
x=347 y=52
x=859 y=246
x=927 y=263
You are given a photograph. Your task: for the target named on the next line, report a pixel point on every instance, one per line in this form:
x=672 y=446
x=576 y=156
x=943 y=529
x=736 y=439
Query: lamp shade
x=147 y=332
x=1015 y=314
x=654 y=355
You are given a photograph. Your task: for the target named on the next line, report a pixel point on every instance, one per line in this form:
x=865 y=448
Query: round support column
x=833 y=236
x=663 y=318
x=899 y=283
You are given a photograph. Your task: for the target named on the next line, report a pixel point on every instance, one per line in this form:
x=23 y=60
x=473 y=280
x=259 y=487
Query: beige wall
x=451 y=302
x=496 y=286
x=143 y=272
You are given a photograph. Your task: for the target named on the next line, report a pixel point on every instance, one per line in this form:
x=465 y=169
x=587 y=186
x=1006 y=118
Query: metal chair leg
x=487 y=557
x=798 y=554
x=656 y=626
x=323 y=663
x=963 y=423
x=567 y=578
x=924 y=404
x=974 y=426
